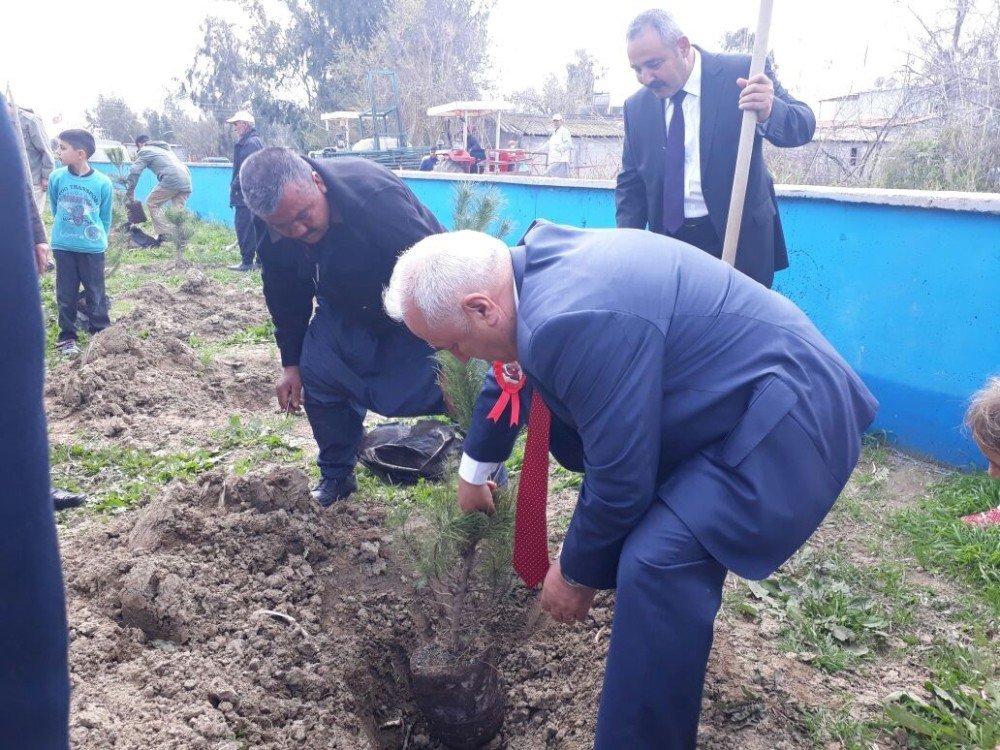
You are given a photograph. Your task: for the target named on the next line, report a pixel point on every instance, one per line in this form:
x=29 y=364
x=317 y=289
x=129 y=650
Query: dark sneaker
x=63 y=500
x=329 y=491
x=68 y=348
x=242 y=267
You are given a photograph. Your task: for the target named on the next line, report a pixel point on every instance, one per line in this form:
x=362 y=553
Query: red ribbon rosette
x=511 y=380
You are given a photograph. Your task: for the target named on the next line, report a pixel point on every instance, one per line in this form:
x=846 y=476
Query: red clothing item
x=986 y=518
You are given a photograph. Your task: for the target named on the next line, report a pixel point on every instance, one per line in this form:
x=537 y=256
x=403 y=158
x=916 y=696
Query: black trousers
x=701 y=233
x=74 y=270
x=348 y=369
x=246 y=234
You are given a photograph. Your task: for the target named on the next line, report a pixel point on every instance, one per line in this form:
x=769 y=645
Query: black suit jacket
x=353 y=262
x=639 y=193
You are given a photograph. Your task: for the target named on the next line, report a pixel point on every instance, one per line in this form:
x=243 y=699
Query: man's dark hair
x=78 y=138
x=140 y=140
x=265 y=174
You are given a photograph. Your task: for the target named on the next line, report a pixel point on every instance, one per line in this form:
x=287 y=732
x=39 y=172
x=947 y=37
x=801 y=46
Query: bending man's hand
x=757 y=95
x=565 y=603
x=289 y=390
x=476 y=497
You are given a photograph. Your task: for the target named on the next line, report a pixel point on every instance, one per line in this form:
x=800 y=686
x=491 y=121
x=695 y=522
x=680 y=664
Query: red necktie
x=531 y=547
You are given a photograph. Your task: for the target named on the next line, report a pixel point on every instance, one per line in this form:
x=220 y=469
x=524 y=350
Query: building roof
x=869 y=131
x=583 y=127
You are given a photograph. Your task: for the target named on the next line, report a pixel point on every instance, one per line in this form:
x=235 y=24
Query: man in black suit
x=677 y=172
x=330 y=231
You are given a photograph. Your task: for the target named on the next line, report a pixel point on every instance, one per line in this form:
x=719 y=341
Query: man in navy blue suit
x=34 y=678
x=686 y=194
x=714 y=426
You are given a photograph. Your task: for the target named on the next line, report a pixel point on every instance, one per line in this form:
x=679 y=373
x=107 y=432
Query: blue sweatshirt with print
x=81 y=210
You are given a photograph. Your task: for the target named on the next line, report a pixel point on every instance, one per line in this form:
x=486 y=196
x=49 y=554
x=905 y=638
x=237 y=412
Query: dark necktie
x=531 y=546
x=673 y=168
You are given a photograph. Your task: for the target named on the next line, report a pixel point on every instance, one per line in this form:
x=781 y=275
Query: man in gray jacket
x=37 y=154
x=173 y=181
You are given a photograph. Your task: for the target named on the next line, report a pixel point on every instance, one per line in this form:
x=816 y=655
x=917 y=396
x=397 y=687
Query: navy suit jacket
x=686 y=383
x=34 y=677
x=639 y=192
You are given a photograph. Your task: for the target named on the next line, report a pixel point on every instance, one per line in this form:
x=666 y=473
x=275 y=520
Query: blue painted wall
x=909 y=296
x=209 y=196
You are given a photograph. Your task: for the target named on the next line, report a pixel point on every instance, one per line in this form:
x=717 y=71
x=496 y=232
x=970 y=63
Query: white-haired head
x=434 y=275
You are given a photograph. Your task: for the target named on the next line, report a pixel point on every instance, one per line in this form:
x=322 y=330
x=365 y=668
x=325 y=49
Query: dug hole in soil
x=233 y=613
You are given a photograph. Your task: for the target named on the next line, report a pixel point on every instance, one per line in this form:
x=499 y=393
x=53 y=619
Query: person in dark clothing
x=428 y=163
x=677 y=179
x=34 y=672
x=476 y=151
x=331 y=229
x=43 y=257
x=61 y=499
x=247 y=142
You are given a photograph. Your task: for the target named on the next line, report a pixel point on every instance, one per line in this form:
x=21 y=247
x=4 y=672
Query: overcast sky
x=58 y=65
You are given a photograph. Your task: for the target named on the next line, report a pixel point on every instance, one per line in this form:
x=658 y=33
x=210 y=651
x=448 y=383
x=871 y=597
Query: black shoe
x=242 y=267
x=63 y=500
x=329 y=491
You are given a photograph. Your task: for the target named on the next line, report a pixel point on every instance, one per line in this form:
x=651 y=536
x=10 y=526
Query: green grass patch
x=269 y=435
x=960 y=705
x=563 y=479
x=260 y=334
x=835 y=727
x=376 y=490
x=834 y=615
x=940 y=541
x=120 y=478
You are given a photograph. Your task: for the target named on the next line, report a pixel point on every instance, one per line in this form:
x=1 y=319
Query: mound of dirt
x=200 y=307
x=234 y=613
x=202 y=621
x=141 y=382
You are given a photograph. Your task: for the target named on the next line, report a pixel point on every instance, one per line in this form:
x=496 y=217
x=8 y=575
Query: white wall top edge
x=947 y=200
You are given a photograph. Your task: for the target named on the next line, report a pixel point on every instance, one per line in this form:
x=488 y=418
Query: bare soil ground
x=231 y=612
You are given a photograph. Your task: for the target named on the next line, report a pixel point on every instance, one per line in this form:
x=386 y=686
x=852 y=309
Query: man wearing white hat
x=247 y=142
x=560 y=149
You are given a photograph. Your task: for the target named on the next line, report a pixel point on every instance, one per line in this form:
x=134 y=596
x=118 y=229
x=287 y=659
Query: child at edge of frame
x=983 y=421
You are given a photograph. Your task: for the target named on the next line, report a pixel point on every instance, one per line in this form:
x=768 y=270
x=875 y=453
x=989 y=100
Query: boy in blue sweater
x=81 y=200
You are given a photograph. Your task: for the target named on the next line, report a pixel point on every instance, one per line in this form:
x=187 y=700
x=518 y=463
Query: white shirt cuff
x=475 y=472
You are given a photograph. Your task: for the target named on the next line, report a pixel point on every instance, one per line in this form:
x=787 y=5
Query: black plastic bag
x=405 y=453
x=138 y=238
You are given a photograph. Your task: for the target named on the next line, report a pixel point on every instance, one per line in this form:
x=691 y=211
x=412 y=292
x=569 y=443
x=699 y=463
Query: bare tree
x=437 y=49
x=954 y=73
x=574 y=95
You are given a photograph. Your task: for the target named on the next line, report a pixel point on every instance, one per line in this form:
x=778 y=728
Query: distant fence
x=905 y=284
